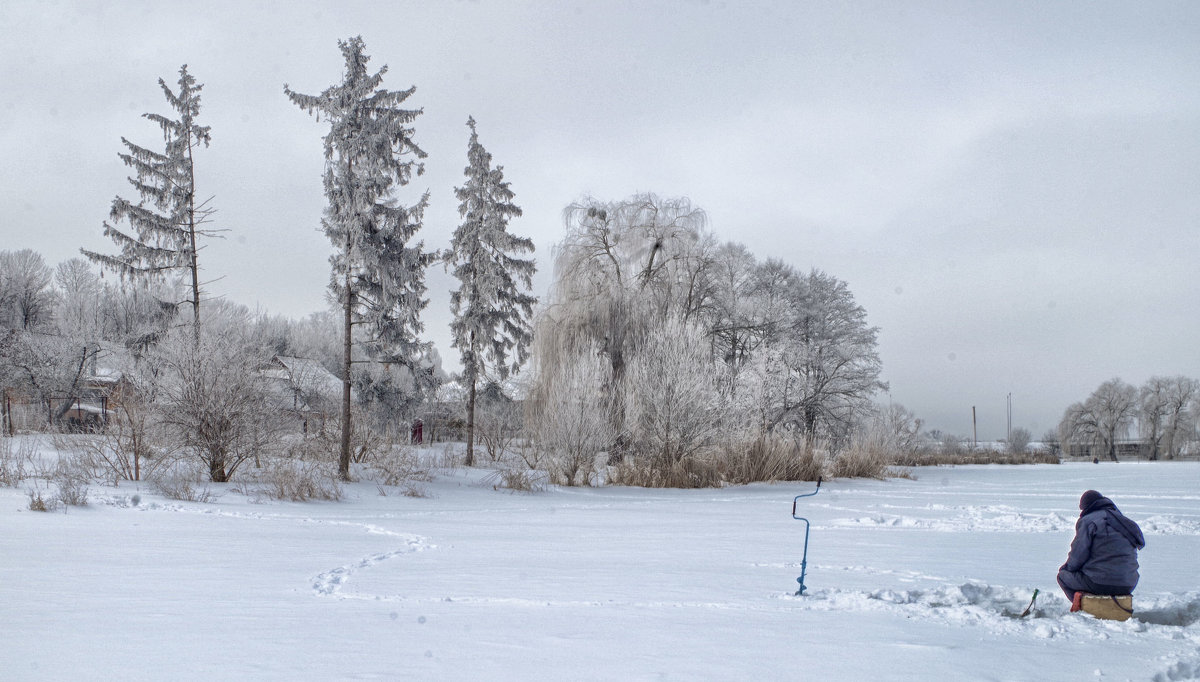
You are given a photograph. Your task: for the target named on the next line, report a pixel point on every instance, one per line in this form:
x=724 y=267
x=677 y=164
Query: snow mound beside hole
x=1179 y=612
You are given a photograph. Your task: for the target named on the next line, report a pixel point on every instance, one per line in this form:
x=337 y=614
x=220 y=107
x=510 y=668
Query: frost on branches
x=167 y=220
x=377 y=275
x=492 y=307
x=704 y=351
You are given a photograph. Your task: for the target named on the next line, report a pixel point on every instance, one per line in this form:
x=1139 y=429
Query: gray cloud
x=1010 y=189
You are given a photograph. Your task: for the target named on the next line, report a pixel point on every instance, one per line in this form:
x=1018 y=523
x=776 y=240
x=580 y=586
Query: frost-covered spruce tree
x=377 y=276
x=166 y=221
x=492 y=307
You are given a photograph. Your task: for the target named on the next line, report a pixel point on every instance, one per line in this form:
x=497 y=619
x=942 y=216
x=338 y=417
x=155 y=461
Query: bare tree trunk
x=72 y=397
x=216 y=470
x=344 y=456
x=193 y=266
x=471 y=420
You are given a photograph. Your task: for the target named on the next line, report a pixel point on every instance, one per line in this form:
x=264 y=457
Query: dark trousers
x=1075 y=581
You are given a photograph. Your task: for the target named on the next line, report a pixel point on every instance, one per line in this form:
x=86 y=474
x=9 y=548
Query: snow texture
x=907 y=580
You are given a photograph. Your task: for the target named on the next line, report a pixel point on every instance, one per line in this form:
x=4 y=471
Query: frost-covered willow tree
x=167 y=220
x=378 y=276
x=492 y=307
x=705 y=350
x=621 y=268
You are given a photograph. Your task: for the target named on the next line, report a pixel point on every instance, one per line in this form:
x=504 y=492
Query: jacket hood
x=1127 y=528
x=1096 y=504
x=1117 y=520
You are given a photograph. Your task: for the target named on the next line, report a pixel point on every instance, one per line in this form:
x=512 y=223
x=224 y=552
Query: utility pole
x=1008 y=431
x=974 y=430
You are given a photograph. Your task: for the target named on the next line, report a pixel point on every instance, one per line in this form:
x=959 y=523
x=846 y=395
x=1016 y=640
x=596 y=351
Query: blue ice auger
x=804 y=559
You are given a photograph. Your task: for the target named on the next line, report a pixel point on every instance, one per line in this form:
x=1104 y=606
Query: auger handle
x=814 y=492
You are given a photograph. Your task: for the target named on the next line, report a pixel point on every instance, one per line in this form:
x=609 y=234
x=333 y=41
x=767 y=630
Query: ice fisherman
x=1103 y=556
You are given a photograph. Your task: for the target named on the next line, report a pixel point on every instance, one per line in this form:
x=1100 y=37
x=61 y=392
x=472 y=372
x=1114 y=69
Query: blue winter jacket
x=1105 y=546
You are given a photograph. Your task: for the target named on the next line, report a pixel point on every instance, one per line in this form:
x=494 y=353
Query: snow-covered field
x=907 y=580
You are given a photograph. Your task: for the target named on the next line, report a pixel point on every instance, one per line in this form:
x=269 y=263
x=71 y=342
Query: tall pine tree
x=167 y=219
x=492 y=308
x=377 y=276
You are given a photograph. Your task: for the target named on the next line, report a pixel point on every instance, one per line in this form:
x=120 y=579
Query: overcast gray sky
x=1011 y=190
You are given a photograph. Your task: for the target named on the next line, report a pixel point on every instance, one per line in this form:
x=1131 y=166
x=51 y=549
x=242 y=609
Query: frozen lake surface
x=907 y=580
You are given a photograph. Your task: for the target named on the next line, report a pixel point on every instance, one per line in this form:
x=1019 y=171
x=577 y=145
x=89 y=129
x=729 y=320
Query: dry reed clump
x=863 y=458
x=931 y=457
x=772 y=458
x=692 y=472
x=40 y=503
x=764 y=459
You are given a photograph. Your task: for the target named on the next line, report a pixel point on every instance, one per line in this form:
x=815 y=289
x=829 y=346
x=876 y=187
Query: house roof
x=303 y=383
x=308 y=374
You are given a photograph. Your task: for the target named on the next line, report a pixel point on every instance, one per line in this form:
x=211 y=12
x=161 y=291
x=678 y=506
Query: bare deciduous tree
x=1018 y=440
x=621 y=268
x=26 y=301
x=1179 y=397
x=1153 y=408
x=50 y=368
x=215 y=401
x=79 y=299
x=829 y=352
x=1102 y=419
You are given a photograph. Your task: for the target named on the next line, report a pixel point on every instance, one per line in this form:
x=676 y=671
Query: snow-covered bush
x=296 y=481
x=184 y=480
x=686 y=473
x=569 y=420
x=71 y=475
x=398 y=465
x=497 y=423
x=517 y=478
x=366 y=441
x=215 y=401
x=671 y=401
x=39 y=502
x=16 y=460
x=131 y=447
